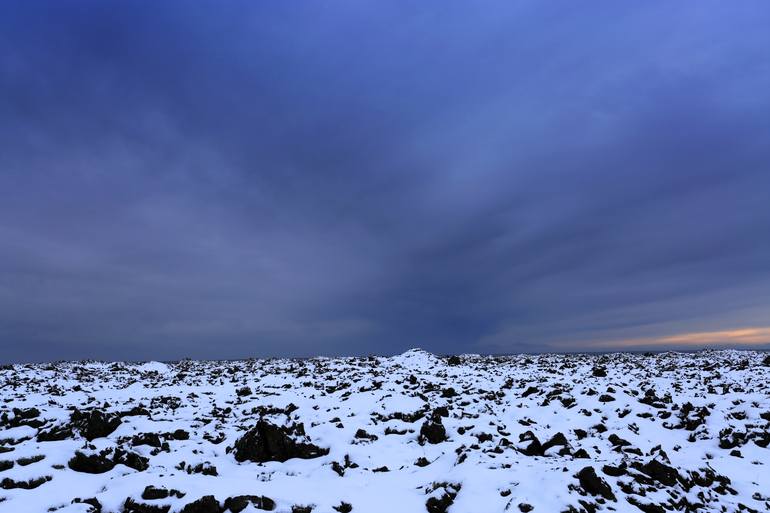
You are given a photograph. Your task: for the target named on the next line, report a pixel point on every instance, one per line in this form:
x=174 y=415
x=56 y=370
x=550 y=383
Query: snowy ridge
x=411 y=433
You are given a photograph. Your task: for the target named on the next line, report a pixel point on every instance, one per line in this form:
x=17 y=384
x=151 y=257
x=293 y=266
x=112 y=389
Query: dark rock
x=617 y=441
x=646 y=507
x=268 y=442
x=441 y=504
x=614 y=471
x=238 y=503
x=9 y=484
x=94 y=424
x=32 y=459
x=25 y=417
x=432 y=432
x=151 y=439
x=131 y=460
x=55 y=434
x=206 y=469
x=180 y=434
x=660 y=472
x=439 y=413
x=151 y=493
x=131 y=506
x=594 y=484
x=136 y=411
x=90 y=464
x=363 y=435
x=96 y=506
x=535 y=448
x=206 y=504
x=557 y=439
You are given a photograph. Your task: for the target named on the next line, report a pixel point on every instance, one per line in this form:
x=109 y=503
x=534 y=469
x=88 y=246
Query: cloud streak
x=743 y=337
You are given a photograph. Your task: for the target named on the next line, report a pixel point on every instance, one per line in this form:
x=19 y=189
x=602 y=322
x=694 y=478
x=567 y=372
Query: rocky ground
x=411 y=433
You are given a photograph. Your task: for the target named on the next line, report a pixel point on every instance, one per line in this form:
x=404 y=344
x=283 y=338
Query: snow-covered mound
x=154 y=367
x=411 y=433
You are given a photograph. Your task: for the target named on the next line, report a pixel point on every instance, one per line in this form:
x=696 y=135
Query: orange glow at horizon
x=742 y=336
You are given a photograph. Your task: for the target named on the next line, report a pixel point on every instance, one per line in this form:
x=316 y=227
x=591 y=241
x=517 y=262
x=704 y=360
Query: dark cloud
x=223 y=180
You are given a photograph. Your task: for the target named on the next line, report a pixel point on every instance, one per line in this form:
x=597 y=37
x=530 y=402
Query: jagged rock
x=151 y=439
x=131 y=506
x=594 y=484
x=206 y=504
x=238 y=503
x=94 y=424
x=131 y=460
x=9 y=484
x=660 y=472
x=206 y=469
x=363 y=435
x=179 y=434
x=29 y=461
x=433 y=432
x=96 y=506
x=268 y=442
x=614 y=471
x=557 y=439
x=441 y=504
x=55 y=434
x=535 y=448
x=152 y=493
x=90 y=464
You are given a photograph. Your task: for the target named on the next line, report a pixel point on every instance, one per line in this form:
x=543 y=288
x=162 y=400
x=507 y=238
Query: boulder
x=268 y=442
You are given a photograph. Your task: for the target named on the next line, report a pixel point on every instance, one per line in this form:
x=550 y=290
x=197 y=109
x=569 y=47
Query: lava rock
x=206 y=504
x=90 y=464
x=594 y=484
x=240 y=502
x=55 y=434
x=131 y=506
x=433 y=432
x=94 y=424
x=268 y=442
x=660 y=472
x=96 y=506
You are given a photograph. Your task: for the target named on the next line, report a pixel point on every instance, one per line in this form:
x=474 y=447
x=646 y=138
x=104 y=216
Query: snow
x=334 y=398
x=158 y=367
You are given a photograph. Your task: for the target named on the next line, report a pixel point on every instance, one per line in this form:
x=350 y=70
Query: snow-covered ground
x=411 y=433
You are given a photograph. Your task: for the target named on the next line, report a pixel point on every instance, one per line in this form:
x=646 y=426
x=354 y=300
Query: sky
x=216 y=179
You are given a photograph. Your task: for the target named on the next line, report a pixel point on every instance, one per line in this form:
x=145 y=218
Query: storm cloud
x=232 y=179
